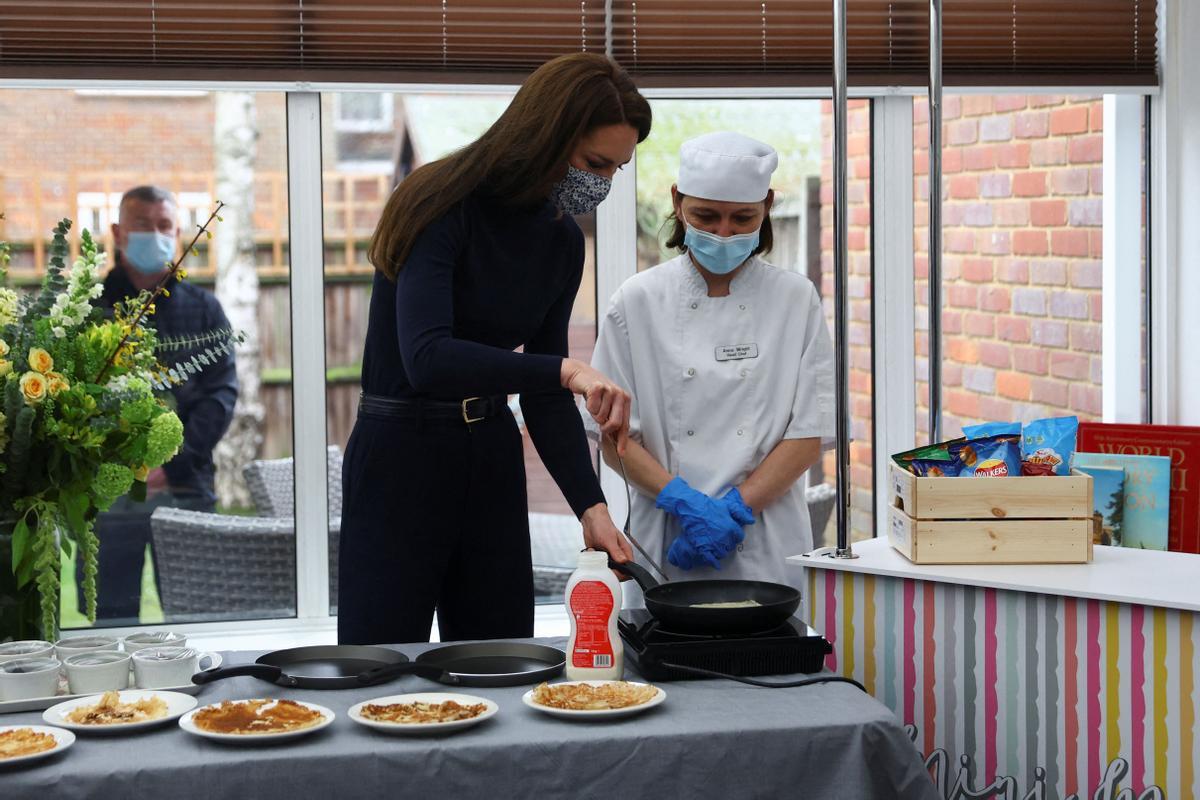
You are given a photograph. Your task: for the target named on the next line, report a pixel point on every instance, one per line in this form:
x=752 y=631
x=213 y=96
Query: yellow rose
x=3 y=348
x=5 y=367
x=34 y=386
x=141 y=473
x=40 y=360
x=57 y=383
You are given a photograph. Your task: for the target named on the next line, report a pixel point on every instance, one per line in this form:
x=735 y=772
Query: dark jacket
x=205 y=401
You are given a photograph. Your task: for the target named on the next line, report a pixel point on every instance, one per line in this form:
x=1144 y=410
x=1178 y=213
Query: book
x=1108 y=501
x=1182 y=444
x=1145 y=513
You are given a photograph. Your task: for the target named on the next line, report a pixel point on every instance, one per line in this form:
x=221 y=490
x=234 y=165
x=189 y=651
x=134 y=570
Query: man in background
x=146 y=238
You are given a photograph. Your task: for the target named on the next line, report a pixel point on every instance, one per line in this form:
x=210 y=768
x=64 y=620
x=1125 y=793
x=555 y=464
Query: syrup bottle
x=593 y=599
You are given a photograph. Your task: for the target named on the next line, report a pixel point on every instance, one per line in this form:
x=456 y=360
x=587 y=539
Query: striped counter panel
x=1052 y=696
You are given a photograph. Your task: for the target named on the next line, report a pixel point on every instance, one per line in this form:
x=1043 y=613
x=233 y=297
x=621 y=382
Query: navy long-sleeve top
x=479 y=282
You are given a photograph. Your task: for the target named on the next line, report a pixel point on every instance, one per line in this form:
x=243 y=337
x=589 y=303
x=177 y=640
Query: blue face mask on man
x=719 y=254
x=149 y=252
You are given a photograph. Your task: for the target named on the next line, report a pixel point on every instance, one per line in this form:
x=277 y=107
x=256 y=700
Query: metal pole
x=934 y=351
x=841 y=273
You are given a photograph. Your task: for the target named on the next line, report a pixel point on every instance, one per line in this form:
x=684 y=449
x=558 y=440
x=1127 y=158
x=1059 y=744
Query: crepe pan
x=492 y=663
x=340 y=666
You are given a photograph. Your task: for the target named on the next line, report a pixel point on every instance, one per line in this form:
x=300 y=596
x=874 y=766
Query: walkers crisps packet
x=989 y=456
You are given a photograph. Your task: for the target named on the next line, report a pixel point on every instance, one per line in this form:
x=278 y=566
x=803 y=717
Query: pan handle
x=264 y=671
x=637 y=572
x=386 y=673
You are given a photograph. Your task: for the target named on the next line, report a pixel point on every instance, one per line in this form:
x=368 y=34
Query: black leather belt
x=473 y=409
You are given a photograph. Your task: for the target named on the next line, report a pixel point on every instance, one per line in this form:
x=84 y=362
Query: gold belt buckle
x=466 y=417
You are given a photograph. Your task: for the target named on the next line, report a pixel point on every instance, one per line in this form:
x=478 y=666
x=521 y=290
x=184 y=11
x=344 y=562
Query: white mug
x=139 y=641
x=165 y=667
x=27 y=678
x=27 y=648
x=101 y=671
x=72 y=645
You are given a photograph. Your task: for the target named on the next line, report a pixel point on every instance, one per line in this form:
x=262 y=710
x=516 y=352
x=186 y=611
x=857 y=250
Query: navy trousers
x=434 y=519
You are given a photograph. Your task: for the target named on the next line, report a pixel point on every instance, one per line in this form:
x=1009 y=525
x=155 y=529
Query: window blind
x=668 y=42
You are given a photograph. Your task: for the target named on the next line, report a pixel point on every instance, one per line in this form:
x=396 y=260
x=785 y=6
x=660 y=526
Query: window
x=73 y=154
x=362 y=111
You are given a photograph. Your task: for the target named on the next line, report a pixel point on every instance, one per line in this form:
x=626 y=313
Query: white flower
x=60 y=333
x=8 y=306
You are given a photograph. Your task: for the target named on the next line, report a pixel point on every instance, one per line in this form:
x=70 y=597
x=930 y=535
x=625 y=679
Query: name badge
x=736 y=352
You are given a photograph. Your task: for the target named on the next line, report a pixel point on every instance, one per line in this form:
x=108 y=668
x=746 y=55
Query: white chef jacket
x=717 y=383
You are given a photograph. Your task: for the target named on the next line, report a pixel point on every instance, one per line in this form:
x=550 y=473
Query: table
x=1076 y=680
x=715 y=739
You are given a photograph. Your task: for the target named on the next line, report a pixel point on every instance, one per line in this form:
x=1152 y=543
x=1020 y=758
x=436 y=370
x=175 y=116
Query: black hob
x=792 y=647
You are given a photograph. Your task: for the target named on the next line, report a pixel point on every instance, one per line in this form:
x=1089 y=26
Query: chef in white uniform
x=730 y=368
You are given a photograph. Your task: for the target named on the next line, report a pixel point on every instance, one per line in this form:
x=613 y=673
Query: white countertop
x=1124 y=575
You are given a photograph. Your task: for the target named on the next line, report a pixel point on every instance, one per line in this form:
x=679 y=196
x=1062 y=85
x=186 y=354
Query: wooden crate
x=1012 y=520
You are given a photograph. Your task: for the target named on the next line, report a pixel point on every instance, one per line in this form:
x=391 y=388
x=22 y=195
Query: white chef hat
x=726 y=166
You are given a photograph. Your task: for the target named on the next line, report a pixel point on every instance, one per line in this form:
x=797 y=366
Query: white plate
x=62 y=740
x=424 y=727
x=177 y=705
x=186 y=723
x=603 y=713
x=64 y=694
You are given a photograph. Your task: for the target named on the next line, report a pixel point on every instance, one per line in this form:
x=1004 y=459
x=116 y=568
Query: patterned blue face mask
x=150 y=252
x=580 y=191
x=719 y=254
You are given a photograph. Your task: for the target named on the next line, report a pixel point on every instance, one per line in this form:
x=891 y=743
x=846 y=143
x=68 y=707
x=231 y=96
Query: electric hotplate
x=658 y=654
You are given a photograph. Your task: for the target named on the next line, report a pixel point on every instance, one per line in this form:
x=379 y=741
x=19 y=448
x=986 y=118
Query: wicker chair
x=219 y=566
x=272 y=485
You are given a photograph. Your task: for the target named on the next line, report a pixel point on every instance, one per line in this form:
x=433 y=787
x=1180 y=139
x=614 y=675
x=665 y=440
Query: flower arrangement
x=80 y=421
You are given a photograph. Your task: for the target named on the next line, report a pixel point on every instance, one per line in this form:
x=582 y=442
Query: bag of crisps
x=1047 y=446
x=989 y=456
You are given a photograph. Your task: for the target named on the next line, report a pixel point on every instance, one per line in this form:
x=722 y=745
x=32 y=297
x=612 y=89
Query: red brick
x=920 y=160
x=1012 y=329
x=1069 y=243
x=1087 y=149
x=1096 y=180
x=952 y=106
x=1049 y=333
x=920 y=110
x=1069 y=181
x=1050 y=392
x=1013 y=156
x=1072 y=119
x=980 y=325
x=964 y=404
x=952 y=322
x=1013 y=271
x=995 y=298
x=1014 y=214
x=996 y=184
x=951 y=160
x=1049 y=273
x=1033 y=360
x=857 y=144
x=1048 y=152
x=1096 y=243
x=962 y=350
x=1086 y=336
x=979 y=158
x=1009 y=102
x=959 y=241
x=1043 y=100
x=1048 y=213
x=977 y=270
x=1032 y=124
x=975 y=105
x=994 y=354
x=996 y=243
x=1087 y=400
x=962 y=296
x=1071 y=366
x=964 y=187
x=1029 y=184
x=992 y=408
x=1029 y=243
x=963 y=131
x=1012 y=384
x=861 y=168
x=1096 y=117
x=1087 y=275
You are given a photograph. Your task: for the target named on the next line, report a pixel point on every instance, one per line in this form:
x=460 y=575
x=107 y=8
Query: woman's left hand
x=599 y=533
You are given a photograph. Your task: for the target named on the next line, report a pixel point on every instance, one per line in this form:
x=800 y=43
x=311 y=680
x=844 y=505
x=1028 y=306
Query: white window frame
x=1174 y=382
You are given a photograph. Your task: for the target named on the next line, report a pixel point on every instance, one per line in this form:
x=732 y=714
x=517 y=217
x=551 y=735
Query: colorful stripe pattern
x=1074 y=694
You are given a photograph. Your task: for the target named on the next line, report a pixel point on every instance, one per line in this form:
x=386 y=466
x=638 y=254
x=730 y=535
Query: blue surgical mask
x=149 y=252
x=580 y=191
x=719 y=254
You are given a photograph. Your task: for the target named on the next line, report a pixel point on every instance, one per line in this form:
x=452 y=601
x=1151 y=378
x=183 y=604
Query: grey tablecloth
x=716 y=739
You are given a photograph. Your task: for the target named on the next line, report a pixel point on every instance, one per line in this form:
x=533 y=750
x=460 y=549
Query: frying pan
x=674 y=604
x=495 y=663
x=327 y=667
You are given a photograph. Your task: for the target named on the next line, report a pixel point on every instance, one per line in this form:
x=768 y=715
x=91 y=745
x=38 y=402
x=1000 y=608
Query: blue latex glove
x=742 y=514
x=708 y=528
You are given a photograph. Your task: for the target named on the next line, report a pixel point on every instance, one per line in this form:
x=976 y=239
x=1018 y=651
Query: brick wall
x=1021 y=269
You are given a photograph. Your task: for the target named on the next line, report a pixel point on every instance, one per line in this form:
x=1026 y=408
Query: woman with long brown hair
x=476 y=255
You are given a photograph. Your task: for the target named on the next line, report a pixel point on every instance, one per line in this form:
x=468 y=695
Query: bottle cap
x=593 y=558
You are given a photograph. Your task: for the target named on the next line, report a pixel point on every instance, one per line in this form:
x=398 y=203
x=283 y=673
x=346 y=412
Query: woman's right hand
x=607 y=402
x=600 y=533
